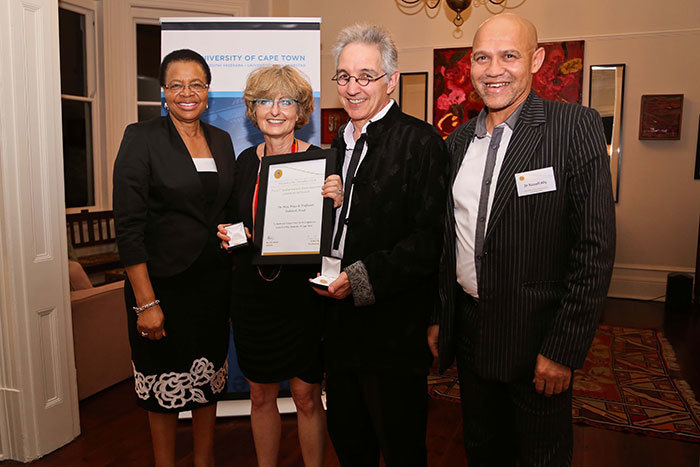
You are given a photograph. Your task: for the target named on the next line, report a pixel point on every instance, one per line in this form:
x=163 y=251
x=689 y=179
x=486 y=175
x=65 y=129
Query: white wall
x=659 y=203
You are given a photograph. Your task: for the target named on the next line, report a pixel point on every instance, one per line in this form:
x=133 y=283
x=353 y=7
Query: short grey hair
x=373 y=35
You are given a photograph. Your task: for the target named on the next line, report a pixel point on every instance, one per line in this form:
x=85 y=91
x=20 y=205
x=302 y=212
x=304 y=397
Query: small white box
x=236 y=232
x=330 y=270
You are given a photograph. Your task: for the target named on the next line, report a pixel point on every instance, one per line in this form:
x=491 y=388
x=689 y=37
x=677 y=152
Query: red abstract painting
x=661 y=116
x=455 y=101
x=331 y=121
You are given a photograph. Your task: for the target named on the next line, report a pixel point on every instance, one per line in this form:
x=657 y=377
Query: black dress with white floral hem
x=188 y=368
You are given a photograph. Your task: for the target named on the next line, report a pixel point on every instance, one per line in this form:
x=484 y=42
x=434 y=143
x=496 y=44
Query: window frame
x=89 y=9
x=151 y=22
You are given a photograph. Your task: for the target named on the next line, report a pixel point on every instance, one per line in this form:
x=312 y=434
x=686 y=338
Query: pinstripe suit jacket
x=547 y=257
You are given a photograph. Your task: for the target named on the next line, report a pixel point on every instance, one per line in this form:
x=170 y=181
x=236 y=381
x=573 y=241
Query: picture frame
x=293 y=221
x=331 y=121
x=413 y=94
x=660 y=117
x=606 y=94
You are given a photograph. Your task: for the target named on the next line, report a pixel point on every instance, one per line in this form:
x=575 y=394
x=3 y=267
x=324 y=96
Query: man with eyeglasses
x=388 y=233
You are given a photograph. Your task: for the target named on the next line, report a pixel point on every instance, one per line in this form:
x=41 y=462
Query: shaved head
x=514 y=24
x=504 y=58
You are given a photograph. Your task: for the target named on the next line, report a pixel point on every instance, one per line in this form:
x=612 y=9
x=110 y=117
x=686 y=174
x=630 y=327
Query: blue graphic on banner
x=233 y=48
x=227 y=111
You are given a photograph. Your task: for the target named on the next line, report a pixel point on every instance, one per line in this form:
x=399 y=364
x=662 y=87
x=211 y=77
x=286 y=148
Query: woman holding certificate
x=173 y=182
x=276 y=316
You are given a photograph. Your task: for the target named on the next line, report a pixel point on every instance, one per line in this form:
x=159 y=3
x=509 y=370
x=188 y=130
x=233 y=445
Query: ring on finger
x=144 y=334
x=340 y=192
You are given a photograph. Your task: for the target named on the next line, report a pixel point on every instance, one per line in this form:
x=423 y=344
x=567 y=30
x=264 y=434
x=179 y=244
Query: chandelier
x=458 y=6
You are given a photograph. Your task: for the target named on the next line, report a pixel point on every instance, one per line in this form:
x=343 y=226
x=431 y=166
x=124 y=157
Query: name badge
x=535 y=181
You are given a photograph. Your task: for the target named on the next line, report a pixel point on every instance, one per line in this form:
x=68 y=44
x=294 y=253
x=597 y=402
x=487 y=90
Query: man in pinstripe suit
x=528 y=254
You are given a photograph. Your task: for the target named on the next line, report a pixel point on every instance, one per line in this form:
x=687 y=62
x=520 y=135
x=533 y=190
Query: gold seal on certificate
x=293 y=219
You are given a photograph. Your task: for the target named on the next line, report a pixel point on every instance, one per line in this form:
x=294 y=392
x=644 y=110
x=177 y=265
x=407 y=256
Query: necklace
x=277 y=269
x=275 y=274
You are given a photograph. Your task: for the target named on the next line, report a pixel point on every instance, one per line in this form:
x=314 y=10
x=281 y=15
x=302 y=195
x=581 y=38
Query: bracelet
x=140 y=309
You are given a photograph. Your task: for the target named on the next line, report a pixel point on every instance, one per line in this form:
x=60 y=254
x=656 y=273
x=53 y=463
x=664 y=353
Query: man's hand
x=433 y=335
x=333 y=189
x=550 y=376
x=339 y=288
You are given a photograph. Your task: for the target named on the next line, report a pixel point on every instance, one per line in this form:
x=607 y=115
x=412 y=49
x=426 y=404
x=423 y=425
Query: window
x=76 y=35
x=147 y=65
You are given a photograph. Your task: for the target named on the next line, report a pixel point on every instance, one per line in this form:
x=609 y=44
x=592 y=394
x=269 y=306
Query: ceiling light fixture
x=458 y=6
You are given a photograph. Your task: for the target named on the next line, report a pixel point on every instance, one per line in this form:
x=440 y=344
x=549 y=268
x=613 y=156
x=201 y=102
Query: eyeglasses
x=343 y=79
x=281 y=103
x=195 y=87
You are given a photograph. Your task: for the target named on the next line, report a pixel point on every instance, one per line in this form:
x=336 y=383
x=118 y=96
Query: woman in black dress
x=275 y=315
x=173 y=182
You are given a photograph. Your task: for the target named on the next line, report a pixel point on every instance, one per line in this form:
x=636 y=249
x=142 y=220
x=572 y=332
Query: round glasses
x=281 y=103
x=343 y=78
x=196 y=88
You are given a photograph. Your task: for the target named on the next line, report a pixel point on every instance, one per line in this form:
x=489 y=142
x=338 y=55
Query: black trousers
x=372 y=412
x=506 y=423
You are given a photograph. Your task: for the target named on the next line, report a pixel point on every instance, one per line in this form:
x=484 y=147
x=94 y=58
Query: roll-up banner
x=233 y=47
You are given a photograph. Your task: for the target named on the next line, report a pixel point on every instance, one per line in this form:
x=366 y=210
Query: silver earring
x=207 y=107
x=165 y=106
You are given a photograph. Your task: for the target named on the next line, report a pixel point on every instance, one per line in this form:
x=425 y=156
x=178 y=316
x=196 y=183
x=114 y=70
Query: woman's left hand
x=333 y=189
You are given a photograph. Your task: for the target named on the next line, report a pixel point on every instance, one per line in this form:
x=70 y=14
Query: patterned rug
x=630 y=382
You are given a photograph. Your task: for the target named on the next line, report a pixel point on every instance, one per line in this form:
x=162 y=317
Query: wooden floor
x=115 y=432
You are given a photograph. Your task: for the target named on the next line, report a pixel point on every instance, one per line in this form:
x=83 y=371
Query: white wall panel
x=39 y=396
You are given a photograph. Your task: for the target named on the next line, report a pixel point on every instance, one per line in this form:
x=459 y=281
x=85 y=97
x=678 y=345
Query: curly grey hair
x=373 y=35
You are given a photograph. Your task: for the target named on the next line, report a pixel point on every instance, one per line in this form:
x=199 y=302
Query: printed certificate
x=293 y=220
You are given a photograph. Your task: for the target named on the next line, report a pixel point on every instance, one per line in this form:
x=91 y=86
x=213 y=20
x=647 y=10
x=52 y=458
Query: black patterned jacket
x=392 y=244
x=547 y=258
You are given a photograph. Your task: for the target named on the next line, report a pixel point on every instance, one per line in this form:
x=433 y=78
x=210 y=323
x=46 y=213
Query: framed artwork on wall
x=331 y=121
x=660 y=117
x=413 y=94
x=455 y=101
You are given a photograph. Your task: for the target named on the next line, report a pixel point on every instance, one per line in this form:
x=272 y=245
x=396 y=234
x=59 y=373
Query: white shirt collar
x=350 y=128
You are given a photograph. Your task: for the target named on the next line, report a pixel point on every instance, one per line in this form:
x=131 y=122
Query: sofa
x=100 y=339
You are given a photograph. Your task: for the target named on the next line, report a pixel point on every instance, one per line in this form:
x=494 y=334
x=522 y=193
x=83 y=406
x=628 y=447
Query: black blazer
x=547 y=257
x=395 y=228
x=158 y=198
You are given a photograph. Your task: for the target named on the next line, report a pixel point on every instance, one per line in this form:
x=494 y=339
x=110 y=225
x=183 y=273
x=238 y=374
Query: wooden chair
x=93 y=229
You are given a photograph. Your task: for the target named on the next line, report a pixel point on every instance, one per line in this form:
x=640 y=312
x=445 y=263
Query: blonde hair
x=270 y=81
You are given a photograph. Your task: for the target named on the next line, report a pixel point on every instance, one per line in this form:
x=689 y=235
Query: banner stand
x=233 y=47
x=242 y=407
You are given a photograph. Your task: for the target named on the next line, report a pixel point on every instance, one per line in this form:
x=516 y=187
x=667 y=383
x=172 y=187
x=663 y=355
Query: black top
x=275 y=314
x=394 y=228
x=160 y=210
